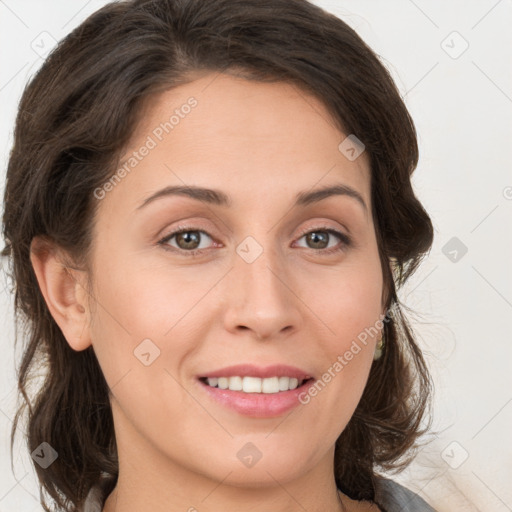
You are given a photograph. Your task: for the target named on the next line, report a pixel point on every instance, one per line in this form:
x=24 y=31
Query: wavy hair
x=76 y=116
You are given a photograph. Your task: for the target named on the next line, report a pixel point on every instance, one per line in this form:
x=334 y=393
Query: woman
x=209 y=210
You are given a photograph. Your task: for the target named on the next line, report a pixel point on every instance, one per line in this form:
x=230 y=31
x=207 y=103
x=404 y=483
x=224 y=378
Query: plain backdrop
x=451 y=61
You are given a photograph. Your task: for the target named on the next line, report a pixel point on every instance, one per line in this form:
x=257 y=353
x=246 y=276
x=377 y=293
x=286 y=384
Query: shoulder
x=394 y=497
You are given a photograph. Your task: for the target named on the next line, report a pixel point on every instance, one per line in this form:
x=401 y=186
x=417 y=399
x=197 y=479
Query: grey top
x=393 y=497
x=390 y=496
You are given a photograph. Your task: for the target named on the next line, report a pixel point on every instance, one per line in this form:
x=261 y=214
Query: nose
x=260 y=296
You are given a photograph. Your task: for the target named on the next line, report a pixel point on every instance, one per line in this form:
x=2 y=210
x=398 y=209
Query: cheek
x=138 y=342
x=133 y=305
x=347 y=300
x=347 y=304
x=140 y=300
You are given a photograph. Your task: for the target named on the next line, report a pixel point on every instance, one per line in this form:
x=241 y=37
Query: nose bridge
x=257 y=267
x=259 y=295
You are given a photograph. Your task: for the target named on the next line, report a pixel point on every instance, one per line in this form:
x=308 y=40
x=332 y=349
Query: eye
x=320 y=238
x=188 y=239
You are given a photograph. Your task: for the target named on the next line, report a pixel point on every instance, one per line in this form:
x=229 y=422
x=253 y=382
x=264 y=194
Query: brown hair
x=75 y=118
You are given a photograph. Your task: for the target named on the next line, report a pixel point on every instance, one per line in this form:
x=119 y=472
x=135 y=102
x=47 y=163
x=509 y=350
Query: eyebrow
x=219 y=198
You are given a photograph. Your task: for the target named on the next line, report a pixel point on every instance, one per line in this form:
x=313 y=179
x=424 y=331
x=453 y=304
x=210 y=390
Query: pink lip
x=249 y=370
x=258 y=405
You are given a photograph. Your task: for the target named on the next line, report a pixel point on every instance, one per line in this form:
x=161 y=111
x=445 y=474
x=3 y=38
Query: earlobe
x=63 y=291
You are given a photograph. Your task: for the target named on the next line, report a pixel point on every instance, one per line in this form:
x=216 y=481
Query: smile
x=247 y=384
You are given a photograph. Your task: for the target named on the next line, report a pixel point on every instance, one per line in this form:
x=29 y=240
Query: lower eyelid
x=345 y=240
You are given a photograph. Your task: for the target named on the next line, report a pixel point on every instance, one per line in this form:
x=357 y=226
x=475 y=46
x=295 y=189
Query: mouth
x=249 y=384
x=254 y=391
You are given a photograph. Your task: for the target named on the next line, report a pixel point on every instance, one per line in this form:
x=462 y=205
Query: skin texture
x=261 y=144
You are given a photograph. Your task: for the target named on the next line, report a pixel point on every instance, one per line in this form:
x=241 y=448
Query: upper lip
x=249 y=370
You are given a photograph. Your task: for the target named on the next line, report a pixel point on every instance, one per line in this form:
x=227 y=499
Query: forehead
x=221 y=131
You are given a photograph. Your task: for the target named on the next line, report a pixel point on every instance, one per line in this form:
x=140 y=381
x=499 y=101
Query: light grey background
x=461 y=101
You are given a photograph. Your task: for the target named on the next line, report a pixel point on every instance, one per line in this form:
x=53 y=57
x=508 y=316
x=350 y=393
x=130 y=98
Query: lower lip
x=258 y=405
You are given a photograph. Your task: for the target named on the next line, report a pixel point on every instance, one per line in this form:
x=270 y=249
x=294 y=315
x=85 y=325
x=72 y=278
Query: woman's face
x=267 y=285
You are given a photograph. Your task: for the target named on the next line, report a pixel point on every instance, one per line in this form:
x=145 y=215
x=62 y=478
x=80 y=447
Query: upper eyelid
x=321 y=226
x=302 y=232
x=184 y=229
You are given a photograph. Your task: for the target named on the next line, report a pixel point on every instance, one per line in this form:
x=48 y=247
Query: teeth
x=255 y=384
x=270 y=385
x=294 y=383
x=235 y=383
x=284 y=383
x=251 y=384
x=223 y=382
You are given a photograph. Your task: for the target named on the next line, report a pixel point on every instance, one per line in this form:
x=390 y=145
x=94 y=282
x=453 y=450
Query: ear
x=64 y=290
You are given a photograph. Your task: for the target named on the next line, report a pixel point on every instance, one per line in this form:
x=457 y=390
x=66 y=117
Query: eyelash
x=346 y=241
